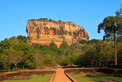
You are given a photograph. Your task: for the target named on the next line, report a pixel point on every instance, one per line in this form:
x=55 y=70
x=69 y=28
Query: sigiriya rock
x=45 y=31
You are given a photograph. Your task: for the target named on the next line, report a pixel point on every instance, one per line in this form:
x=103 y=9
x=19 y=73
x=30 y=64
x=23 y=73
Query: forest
x=16 y=53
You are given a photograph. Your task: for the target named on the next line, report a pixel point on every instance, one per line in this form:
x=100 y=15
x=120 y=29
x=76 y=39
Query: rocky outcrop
x=45 y=31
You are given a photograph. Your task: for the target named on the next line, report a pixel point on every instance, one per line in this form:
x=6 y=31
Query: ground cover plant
x=85 y=78
x=24 y=75
x=33 y=78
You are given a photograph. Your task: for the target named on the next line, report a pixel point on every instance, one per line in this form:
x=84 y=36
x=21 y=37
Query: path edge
x=72 y=79
x=52 y=78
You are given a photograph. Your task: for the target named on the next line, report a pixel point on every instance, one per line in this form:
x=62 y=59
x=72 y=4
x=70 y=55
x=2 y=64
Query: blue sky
x=14 y=14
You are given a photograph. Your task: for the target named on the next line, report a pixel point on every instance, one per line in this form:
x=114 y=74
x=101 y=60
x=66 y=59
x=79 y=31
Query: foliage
x=39 y=58
x=64 y=45
x=52 y=45
x=84 y=42
x=119 y=39
x=112 y=27
x=59 y=20
x=15 y=57
x=15 y=52
x=93 y=41
x=4 y=60
x=22 y=38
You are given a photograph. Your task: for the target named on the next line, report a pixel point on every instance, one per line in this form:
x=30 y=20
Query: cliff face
x=45 y=31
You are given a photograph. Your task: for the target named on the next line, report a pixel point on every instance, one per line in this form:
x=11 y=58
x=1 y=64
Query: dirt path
x=60 y=76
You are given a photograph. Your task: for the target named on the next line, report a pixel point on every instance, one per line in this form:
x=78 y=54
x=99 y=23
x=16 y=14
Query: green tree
x=106 y=53
x=59 y=20
x=119 y=39
x=111 y=26
x=49 y=60
x=39 y=58
x=4 y=46
x=15 y=49
x=84 y=42
x=120 y=54
x=50 y=19
x=118 y=13
x=74 y=57
x=5 y=60
x=29 y=61
x=119 y=49
x=98 y=49
x=15 y=57
x=53 y=45
x=64 y=45
x=91 y=55
x=93 y=41
x=22 y=38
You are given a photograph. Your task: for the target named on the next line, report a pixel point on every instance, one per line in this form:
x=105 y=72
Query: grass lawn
x=35 y=78
x=84 y=78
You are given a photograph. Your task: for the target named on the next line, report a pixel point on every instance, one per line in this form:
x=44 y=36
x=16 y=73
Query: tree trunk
x=115 y=49
x=23 y=67
x=16 y=66
x=99 y=62
x=107 y=63
x=91 y=62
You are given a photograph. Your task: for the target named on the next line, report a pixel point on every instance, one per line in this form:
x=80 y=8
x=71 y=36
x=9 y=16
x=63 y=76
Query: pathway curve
x=60 y=76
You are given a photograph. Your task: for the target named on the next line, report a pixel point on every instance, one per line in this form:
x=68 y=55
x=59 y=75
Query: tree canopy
x=112 y=27
x=15 y=52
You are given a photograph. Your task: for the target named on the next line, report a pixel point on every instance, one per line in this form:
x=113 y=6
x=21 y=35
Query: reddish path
x=60 y=76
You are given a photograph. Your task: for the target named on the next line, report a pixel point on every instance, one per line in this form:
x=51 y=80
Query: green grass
x=35 y=78
x=84 y=78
